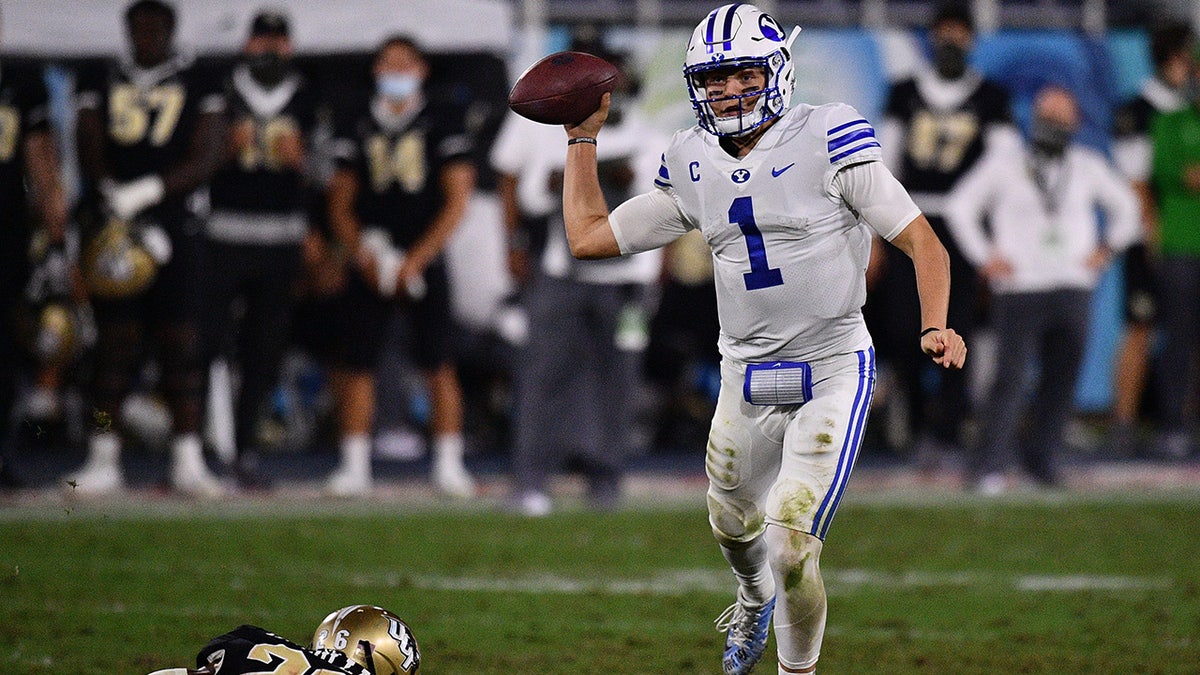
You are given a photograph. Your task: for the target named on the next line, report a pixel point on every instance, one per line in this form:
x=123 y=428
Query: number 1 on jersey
x=761 y=274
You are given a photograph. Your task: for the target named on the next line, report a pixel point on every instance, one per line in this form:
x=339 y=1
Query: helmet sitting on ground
x=372 y=637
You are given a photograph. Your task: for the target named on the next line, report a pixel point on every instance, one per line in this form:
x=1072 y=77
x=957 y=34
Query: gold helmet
x=115 y=264
x=372 y=637
x=50 y=332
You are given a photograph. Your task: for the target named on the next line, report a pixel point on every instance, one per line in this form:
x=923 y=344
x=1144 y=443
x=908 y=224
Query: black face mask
x=268 y=67
x=1049 y=138
x=949 y=60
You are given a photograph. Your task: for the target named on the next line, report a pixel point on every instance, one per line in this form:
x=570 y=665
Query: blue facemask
x=398 y=86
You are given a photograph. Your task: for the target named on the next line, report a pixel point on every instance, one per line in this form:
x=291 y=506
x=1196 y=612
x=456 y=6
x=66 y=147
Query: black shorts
x=176 y=296
x=350 y=330
x=1141 y=294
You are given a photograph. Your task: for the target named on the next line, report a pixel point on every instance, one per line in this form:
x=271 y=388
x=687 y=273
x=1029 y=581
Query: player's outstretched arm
x=932 y=266
x=584 y=209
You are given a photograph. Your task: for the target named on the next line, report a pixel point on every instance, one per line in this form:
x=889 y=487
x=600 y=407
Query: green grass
x=1100 y=584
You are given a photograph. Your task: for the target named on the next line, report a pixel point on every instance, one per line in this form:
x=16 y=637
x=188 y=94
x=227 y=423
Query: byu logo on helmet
x=739 y=36
x=769 y=29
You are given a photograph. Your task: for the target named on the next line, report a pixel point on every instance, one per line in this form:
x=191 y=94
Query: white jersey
x=789 y=255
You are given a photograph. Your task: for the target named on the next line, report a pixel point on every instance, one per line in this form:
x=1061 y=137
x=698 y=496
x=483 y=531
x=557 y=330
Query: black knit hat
x=270 y=22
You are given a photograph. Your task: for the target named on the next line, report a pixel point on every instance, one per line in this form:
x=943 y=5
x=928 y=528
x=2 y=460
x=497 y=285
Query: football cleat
x=96 y=478
x=452 y=479
x=745 y=636
x=372 y=637
x=347 y=481
x=534 y=504
x=192 y=478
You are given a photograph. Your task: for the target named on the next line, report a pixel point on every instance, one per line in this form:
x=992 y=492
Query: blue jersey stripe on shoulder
x=851 y=151
x=662 y=183
x=663 y=173
x=847 y=125
x=848 y=138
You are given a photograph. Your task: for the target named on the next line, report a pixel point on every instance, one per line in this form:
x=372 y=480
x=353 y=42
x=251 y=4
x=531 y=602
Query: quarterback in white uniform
x=787 y=197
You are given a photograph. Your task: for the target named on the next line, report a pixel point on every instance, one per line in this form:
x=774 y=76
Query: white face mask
x=398 y=86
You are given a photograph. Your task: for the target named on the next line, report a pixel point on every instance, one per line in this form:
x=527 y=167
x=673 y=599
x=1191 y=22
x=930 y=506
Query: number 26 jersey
x=789 y=255
x=250 y=650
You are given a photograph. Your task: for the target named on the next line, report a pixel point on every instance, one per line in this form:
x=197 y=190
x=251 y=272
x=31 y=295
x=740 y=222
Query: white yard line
x=660 y=494
x=837 y=582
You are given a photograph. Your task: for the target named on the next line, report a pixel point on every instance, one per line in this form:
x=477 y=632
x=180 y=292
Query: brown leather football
x=562 y=88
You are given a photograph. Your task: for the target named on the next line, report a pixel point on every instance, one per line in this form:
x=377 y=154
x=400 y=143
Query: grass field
x=1050 y=584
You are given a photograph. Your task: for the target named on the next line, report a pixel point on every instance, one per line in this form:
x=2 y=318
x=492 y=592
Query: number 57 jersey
x=789 y=254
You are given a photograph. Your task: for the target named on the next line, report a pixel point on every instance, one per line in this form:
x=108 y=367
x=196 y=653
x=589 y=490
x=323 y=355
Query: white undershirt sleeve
x=647 y=221
x=892 y=138
x=878 y=198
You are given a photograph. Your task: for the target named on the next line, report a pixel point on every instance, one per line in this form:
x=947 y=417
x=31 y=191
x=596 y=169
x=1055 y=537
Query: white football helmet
x=745 y=36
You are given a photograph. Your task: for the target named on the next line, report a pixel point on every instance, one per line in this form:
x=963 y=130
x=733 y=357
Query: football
x=562 y=88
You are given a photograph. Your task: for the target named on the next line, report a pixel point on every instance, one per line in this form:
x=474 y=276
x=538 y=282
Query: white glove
x=389 y=260
x=157 y=244
x=132 y=197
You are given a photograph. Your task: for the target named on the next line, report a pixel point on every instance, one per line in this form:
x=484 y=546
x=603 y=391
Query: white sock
x=756 y=585
x=449 y=448
x=356 y=453
x=800 y=608
x=187 y=449
x=104 y=449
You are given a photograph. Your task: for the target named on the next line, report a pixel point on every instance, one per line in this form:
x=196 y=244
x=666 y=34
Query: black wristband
x=582 y=139
x=927 y=331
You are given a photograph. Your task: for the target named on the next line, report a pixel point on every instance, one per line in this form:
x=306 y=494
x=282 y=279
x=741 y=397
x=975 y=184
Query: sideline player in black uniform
x=354 y=640
x=1171 y=50
x=150 y=134
x=403 y=181
x=937 y=124
x=28 y=157
x=259 y=222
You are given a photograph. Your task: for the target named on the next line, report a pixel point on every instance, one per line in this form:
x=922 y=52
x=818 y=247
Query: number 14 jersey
x=789 y=254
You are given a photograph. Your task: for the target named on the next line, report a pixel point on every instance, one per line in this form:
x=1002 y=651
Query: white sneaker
x=534 y=504
x=992 y=484
x=42 y=404
x=347 y=481
x=95 y=479
x=195 y=480
x=452 y=479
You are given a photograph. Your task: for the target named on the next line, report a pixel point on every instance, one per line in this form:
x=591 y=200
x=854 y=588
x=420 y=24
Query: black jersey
x=1132 y=149
x=250 y=649
x=399 y=168
x=149 y=114
x=256 y=180
x=1133 y=117
x=23 y=110
x=944 y=137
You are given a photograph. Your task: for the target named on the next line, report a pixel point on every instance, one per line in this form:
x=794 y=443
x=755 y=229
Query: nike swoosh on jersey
x=775 y=173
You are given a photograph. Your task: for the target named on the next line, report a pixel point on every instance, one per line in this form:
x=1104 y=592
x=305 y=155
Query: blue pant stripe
x=850 y=445
x=867 y=375
x=841 y=456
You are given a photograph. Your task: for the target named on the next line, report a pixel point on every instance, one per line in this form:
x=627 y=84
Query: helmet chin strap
x=368 y=652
